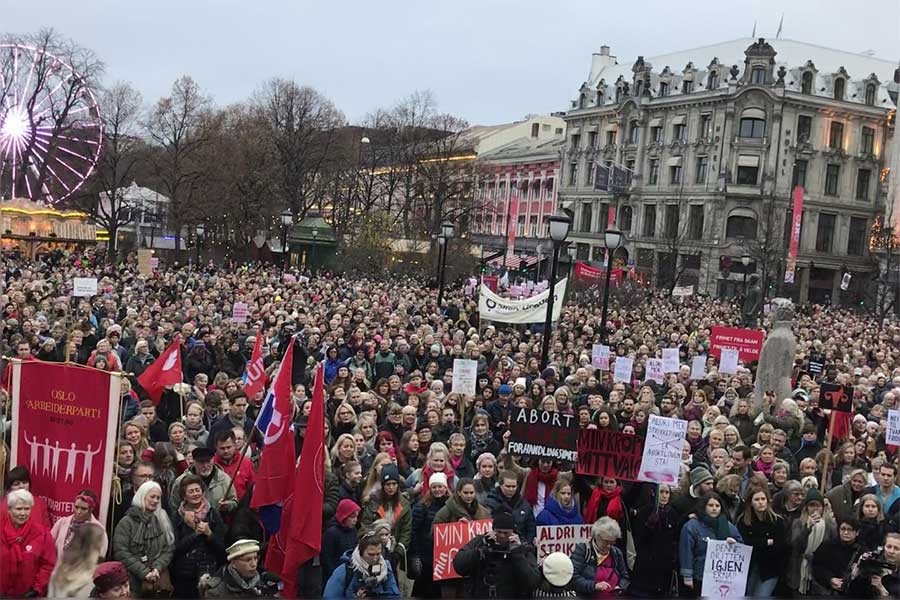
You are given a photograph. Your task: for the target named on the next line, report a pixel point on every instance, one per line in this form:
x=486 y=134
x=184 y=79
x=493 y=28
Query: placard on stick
x=543 y=434
x=837 y=397
x=465 y=376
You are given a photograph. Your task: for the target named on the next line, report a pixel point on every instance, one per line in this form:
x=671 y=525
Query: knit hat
x=700 y=475
x=345 y=509
x=504 y=390
x=108 y=575
x=242 y=548
x=389 y=473
x=503 y=520
x=435 y=347
x=813 y=495
x=437 y=478
x=801 y=393
x=558 y=569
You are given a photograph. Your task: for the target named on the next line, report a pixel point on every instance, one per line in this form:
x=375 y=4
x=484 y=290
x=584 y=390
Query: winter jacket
x=798 y=538
x=216 y=489
x=242 y=468
x=422 y=545
x=227 y=583
x=27 y=558
x=401 y=527
x=555 y=514
x=692 y=547
x=494 y=572
x=871 y=533
x=344 y=584
x=584 y=565
x=337 y=541
x=196 y=554
x=521 y=511
x=831 y=560
x=842 y=501
x=656 y=545
x=60 y=531
x=140 y=544
x=767 y=559
x=454 y=511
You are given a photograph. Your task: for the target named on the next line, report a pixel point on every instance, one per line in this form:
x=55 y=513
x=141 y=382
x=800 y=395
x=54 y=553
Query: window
x=679 y=132
x=656 y=134
x=520 y=226
x=638 y=87
x=706 y=126
x=653 y=172
x=576 y=141
x=663 y=88
x=573 y=173
x=839 y=86
x=804 y=128
x=558 y=131
x=603 y=219
x=748 y=170
x=870 y=94
x=582 y=99
x=582 y=251
x=713 y=80
x=586 y=217
x=599 y=97
x=597 y=253
x=752 y=128
x=799 y=177
x=672 y=218
x=649 y=229
x=675 y=174
x=633 y=130
x=863 y=177
x=592 y=139
x=825 y=232
x=532 y=226
x=687 y=86
x=695 y=222
x=740 y=227
x=856 y=237
x=535 y=129
x=611 y=137
x=629 y=164
x=702 y=169
x=626 y=216
x=867 y=141
x=836 y=135
x=758 y=75
x=832 y=178
x=590 y=172
x=806 y=83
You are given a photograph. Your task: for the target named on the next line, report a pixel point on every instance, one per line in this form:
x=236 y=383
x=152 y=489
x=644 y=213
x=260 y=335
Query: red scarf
x=614 y=509
x=531 y=484
x=427 y=472
x=14 y=541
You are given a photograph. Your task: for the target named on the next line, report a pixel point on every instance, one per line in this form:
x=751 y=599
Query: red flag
x=303 y=531
x=255 y=373
x=275 y=476
x=164 y=372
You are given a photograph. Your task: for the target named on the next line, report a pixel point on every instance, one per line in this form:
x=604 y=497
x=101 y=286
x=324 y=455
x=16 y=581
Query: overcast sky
x=488 y=61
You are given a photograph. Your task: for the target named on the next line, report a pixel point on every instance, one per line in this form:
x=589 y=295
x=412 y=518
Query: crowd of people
x=405 y=452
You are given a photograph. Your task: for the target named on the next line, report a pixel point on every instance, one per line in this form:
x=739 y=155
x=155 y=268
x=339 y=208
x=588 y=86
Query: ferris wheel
x=50 y=127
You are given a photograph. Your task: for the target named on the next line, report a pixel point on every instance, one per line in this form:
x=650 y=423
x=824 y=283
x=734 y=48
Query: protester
x=144 y=541
x=766 y=532
x=421 y=552
x=27 y=554
x=239 y=578
x=111 y=581
x=556 y=575
x=655 y=532
x=599 y=565
x=340 y=537
x=19 y=478
x=710 y=524
x=363 y=572
x=199 y=538
x=833 y=559
x=73 y=576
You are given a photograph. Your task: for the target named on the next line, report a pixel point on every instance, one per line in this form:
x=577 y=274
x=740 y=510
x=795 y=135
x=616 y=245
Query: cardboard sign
x=728 y=361
x=892 y=435
x=725 y=570
x=560 y=538
x=661 y=461
x=748 y=342
x=605 y=453
x=683 y=292
x=239 y=312
x=624 y=366
x=600 y=357
x=671 y=360
x=449 y=538
x=836 y=397
x=655 y=370
x=465 y=376
x=84 y=287
x=144 y=256
x=543 y=434
x=698 y=367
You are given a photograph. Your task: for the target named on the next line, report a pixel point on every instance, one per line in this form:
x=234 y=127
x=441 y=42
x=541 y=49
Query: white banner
x=671 y=360
x=600 y=357
x=84 y=287
x=728 y=361
x=465 y=375
x=661 y=462
x=892 y=436
x=624 y=366
x=698 y=367
x=655 y=370
x=492 y=307
x=725 y=570
x=560 y=538
x=683 y=292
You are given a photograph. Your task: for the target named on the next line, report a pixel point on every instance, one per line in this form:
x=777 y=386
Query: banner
x=560 y=538
x=728 y=362
x=892 y=435
x=655 y=371
x=239 y=312
x=84 y=287
x=605 y=453
x=794 y=245
x=65 y=431
x=698 y=367
x=449 y=538
x=661 y=461
x=600 y=357
x=492 y=307
x=623 y=368
x=144 y=256
x=671 y=360
x=465 y=376
x=682 y=291
x=837 y=397
x=586 y=272
x=725 y=570
x=543 y=434
x=748 y=342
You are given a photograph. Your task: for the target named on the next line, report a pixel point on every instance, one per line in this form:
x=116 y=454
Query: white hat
x=242 y=548
x=437 y=478
x=557 y=569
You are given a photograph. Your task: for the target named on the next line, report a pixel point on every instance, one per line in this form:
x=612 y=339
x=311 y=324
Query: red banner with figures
x=748 y=342
x=449 y=538
x=587 y=272
x=794 y=244
x=65 y=431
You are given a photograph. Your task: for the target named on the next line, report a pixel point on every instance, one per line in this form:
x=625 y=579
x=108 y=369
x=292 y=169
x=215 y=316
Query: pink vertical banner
x=513 y=219
x=794 y=246
x=611 y=216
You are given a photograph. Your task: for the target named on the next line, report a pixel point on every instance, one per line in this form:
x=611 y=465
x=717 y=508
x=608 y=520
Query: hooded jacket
x=520 y=509
x=555 y=514
x=347 y=580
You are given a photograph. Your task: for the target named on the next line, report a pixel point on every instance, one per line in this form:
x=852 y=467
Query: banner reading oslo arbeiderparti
x=65 y=431
x=605 y=453
x=532 y=310
x=543 y=434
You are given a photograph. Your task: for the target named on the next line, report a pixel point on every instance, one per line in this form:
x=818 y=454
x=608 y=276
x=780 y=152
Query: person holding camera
x=240 y=578
x=363 y=573
x=497 y=564
x=877 y=573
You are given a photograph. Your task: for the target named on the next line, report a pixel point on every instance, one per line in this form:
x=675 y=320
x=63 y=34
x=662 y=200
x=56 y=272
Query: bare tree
x=682 y=241
x=883 y=293
x=767 y=249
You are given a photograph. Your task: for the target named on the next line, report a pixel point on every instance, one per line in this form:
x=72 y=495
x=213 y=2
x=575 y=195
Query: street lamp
x=745 y=260
x=443 y=243
x=537 y=268
x=200 y=229
x=287 y=219
x=613 y=239
x=559 y=231
x=572 y=251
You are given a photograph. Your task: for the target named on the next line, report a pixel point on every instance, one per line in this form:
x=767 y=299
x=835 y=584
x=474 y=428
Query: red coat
x=27 y=558
x=39 y=512
x=245 y=476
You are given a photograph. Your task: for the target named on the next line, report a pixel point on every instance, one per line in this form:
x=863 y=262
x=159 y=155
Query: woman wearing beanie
x=809 y=530
x=556 y=577
x=340 y=536
x=390 y=505
x=421 y=551
x=710 y=524
x=111 y=581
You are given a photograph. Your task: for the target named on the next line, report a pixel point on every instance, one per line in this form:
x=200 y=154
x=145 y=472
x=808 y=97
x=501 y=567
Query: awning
x=743 y=212
x=657 y=122
x=748 y=161
x=754 y=113
x=514 y=262
x=674 y=161
x=679 y=120
x=612 y=126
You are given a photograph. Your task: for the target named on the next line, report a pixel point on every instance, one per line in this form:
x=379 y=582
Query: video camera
x=872 y=563
x=370 y=581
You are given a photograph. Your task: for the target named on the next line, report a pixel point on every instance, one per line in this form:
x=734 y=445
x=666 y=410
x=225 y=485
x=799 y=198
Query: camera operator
x=363 y=572
x=877 y=574
x=498 y=564
x=240 y=577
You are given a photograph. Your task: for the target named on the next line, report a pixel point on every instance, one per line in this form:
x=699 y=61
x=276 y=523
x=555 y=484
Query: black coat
x=494 y=573
x=337 y=540
x=767 y=559
x=196 y=554
x=832 y=559
x=871 y=534
x=656 y=545
x=522 y=512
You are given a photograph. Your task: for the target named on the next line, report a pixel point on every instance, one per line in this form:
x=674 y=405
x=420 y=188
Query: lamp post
x=199 y=231
x=613 y=239
x=537 y=268
x=443 y=243
x=559 y=231
x=572 y=251
x=287 y=219
x=745 y=260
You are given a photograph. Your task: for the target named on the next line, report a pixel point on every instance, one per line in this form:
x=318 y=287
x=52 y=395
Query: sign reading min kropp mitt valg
x=543 y=434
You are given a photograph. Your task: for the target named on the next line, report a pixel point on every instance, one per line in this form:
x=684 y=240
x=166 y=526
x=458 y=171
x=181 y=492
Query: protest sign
x=725 y=570
x=606 y=453
x=600 y=357
x=560 y=538
x=239 y=312
x=655 y=370
x=698 y=367
x=465 y=375
x=748 y=342
x=671 y=360
x=543 y=434
x=837 y=397
x=661 y=461
x=683 y=291
x=624 y=366
x=892 y=436
x=449 y=538
x=728 y=361
x=144 y=256
x=531 y=310
x=84 y=287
